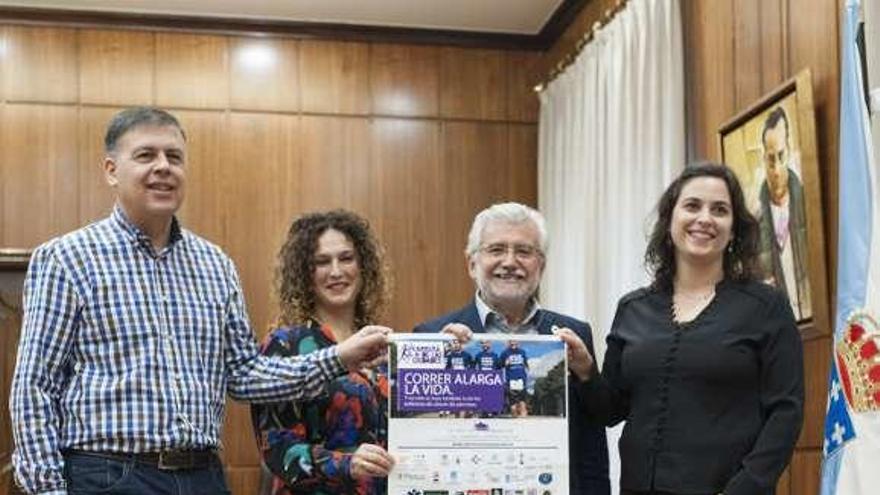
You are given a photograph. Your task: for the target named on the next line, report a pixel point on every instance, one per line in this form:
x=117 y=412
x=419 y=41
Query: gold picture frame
x=771 y=146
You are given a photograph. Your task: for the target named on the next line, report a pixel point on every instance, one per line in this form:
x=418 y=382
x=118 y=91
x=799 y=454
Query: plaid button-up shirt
x=126 y=349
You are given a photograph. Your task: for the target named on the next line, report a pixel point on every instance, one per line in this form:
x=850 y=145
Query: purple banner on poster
x=427 y=390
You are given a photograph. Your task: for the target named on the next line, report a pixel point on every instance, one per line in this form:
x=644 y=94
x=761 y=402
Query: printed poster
x=486 y=418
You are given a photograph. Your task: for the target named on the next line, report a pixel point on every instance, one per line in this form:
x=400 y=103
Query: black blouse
x=713 y=405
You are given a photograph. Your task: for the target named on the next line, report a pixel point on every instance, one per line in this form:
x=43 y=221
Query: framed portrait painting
x=771 y=146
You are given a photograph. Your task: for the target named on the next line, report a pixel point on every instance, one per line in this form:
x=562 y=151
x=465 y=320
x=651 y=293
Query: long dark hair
x=296 y=264
x=741 y=257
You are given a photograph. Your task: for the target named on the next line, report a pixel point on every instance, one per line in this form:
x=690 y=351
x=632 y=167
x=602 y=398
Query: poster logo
x=420 y=355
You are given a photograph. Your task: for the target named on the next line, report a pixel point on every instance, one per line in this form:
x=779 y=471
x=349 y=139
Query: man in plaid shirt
x=135 y=330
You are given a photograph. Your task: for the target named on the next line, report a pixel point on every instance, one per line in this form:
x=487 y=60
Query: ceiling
x=526 y=17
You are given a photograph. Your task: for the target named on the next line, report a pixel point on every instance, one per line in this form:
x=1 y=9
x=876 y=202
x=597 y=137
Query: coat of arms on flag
x=855 y=380
x=859 y=364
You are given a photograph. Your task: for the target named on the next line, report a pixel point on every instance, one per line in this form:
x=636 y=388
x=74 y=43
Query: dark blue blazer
x=588 y=449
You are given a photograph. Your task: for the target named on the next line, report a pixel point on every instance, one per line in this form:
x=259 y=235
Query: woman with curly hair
x=332 y=279
x=705 y=364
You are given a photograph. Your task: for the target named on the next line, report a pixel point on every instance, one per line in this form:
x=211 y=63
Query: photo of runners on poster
x=488 y=417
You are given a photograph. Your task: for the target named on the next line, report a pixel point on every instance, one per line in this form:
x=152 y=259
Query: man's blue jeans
x=93 y=474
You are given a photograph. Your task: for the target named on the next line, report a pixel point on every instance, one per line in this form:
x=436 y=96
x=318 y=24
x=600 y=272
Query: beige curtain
x=611 y=137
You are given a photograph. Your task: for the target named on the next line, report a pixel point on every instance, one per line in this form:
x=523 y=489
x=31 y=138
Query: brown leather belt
x=166 y=460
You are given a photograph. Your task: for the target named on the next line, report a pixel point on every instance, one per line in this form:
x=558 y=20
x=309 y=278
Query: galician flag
x=852 y=423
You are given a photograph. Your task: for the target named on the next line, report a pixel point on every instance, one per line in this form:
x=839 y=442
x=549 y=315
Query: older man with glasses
x=505 y=258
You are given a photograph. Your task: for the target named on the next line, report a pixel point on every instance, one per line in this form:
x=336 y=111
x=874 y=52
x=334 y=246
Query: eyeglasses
x=522 y=252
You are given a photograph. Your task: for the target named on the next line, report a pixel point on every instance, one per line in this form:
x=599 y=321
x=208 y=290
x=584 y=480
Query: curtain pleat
x=611 y=137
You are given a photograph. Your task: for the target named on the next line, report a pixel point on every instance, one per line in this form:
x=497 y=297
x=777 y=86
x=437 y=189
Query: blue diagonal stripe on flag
x=838 y=426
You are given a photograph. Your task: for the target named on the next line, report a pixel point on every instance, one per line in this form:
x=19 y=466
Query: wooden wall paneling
x=240 y=454
x=11 y=282
x=806 y=466
x=783 y=486
x=260 y=196
x=473 y=84
x=4 y=62
x=522 y=178
x=201 y=23
x=814 y=44
x=523 y=74
x=335 y=77
x=336 y=169
x=719 y=95
x=708 y=44
x=406 y=158
x=475 y=174
x=96 y=197
x=243 y=480
x=116 y=67
x=747 y=51
x=817 y=361
x=207 y=176
x=405 y=80
x=42 y=64
x=264 y=74
x=694 y=68
x=39 y=161
x=191 y=71
x=773 y=34
x=3 y=180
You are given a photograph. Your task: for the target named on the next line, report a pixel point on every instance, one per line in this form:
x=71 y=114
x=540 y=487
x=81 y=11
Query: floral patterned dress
x=308 y=445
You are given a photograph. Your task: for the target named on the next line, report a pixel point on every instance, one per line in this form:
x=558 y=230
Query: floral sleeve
x=308 y=445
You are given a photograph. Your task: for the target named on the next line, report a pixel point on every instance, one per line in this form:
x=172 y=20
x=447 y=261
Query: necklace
x=686 y=307
x=697 y=297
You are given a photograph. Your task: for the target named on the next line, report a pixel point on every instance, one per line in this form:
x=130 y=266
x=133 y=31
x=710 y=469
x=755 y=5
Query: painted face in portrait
x=508 y=265
x=702 y=221
x=337 y=276
x=776 y=153
x=148 y=171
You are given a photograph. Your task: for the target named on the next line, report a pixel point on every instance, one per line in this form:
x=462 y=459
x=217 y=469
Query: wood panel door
x=473 y=84
x=405 y=80
x=335 y=77
x=406 y=159
x=264 y=74
x=191 y=71
x=40 y=172
x=11 y=280
x=40 y=65
x=116 y=67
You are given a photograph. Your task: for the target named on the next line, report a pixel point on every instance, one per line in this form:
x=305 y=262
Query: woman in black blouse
x=705 y=365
